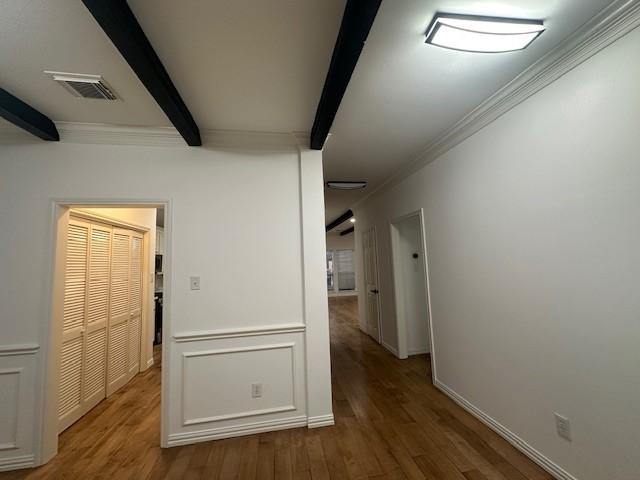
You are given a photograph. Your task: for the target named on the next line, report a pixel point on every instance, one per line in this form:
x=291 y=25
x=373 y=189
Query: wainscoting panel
x=213 y=379
x=17 y=387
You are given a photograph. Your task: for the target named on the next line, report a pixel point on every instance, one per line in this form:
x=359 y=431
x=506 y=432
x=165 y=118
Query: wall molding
x=320 y=421
x=235 y=431
x=15 y=463
x=609 y=25
x=275 y=329
x=291 y=346
x=112 y=134
x=21 y=349
x=554 y=469
x=390 y=348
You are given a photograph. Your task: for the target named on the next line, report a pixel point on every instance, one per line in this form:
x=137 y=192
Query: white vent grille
x=85 y=86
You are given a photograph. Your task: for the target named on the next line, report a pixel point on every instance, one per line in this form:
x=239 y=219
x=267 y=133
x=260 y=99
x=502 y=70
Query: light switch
x=195 y=283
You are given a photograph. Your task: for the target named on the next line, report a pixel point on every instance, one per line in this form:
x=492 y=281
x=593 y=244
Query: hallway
x=391 y=423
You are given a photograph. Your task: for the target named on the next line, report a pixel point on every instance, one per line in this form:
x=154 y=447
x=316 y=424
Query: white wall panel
x=17 y=387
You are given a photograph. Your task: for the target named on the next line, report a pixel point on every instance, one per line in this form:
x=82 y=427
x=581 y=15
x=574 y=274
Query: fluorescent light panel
x=336 y=185
x=482 y=34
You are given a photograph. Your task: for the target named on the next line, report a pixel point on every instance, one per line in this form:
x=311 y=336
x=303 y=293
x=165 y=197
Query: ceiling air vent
x=85 y=86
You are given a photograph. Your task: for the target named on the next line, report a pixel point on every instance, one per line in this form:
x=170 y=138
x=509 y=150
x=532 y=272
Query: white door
x=118 y=329
x=135 y=304
x=95 y=362
x=370 y=256
x=73 y=324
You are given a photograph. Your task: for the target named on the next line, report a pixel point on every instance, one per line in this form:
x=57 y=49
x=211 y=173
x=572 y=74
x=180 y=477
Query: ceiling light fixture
x=346 y=185
x=353 y=220
x=471 y=33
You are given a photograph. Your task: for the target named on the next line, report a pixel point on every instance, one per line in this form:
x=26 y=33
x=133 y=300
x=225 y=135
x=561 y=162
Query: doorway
x=410 y=285
x=101 y=333
x=372 y=290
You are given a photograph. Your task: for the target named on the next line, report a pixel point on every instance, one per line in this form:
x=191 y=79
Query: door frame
x=401 y=321
x=372 y=231
x=51 y=333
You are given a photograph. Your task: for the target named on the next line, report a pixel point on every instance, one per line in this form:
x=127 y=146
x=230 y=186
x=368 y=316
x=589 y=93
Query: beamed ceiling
x=252 y=65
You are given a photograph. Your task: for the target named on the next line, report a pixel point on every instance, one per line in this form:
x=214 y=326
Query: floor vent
x=85 y=86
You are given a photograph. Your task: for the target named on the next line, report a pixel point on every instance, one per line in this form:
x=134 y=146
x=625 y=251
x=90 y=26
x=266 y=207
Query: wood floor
x=391 y=423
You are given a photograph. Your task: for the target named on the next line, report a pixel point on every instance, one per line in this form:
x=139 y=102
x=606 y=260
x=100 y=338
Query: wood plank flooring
x=391 y=423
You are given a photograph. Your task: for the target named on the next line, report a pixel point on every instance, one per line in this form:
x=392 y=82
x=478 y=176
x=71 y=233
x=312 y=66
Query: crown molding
x=109 y=134
x=612 y=23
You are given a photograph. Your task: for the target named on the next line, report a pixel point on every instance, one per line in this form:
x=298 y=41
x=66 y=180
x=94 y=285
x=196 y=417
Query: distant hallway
x=391 y=423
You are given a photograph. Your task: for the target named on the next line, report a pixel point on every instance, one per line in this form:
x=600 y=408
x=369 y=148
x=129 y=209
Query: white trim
x=47 y=440
x=235 y=431
x=390 y=348
x=320 y=421
x=285 y=408
x=548 y=465
x=23 y=349
x=150 y=363
x=238 y=332
x=100 y=218
x=18 y=397
x=610 y=24
x=15 y=463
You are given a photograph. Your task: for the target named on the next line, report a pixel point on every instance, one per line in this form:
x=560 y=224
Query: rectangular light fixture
x=471 y=33
x=350 y=185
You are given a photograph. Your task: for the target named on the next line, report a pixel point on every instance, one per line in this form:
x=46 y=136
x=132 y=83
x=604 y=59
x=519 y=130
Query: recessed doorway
x=411 y=285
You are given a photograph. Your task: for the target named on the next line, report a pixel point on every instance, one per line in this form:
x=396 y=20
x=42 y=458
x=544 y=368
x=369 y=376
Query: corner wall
x=533 y=238
x=249 y=222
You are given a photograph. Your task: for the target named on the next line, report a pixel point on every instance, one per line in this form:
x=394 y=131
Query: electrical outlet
x=195 y=283
x=256 y=390
x=563 y=426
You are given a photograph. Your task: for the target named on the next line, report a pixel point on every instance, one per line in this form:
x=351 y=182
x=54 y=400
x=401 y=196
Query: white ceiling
x=404 y=93
x=238 y=64
x=260 y=65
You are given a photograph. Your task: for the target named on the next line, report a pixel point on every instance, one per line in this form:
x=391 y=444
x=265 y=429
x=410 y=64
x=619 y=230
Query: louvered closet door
x=135 y=303
x=73 y=324
x=118 y=329
x=95 y=363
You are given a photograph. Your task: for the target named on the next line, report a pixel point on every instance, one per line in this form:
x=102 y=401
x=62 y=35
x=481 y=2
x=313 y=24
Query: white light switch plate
x=195 y=283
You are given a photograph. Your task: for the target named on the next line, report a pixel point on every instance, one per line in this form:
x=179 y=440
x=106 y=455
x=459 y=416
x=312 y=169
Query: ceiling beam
x=347 y=231
x=26 y=117
x=356 y=22
x=342 y=218
x=120 y=24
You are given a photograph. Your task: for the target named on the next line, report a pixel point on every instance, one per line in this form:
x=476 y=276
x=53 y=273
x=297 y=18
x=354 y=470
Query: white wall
x=533 y=238
x=337 y=242
x=235 y=219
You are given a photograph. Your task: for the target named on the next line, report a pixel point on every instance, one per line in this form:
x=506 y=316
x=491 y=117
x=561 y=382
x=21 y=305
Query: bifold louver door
x=118 y=344
x=73 y=324
x=135 y=303
x=102 y=318
x=94 y=384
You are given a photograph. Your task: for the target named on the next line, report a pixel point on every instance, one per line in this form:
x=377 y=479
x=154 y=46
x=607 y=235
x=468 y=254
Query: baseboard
x=321 y=421
x=551 y=467
x=150 y=363
x=15 y=463
x=235 y=431
x=419 y=352
x=390 y=348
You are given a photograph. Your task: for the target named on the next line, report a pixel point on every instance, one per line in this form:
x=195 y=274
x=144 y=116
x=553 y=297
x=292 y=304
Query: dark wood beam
x=356 y=22
x=347 y=231
x=26 y=117
x=342 y=218
x=120 y=24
